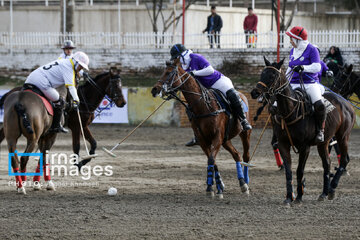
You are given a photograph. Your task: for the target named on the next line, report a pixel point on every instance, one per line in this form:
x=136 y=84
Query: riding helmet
x=68 y=44
x=298 y=33
x=177 y=50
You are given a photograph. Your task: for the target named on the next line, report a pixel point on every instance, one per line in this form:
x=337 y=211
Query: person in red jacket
x=250 y=25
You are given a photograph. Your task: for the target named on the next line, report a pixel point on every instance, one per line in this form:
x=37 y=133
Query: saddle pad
x=328 y=106
x=46 y=103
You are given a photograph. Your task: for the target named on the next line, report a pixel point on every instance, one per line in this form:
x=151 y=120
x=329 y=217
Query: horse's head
x=270 y=80
x=114 y=88
x=343 y=81
x=169 y=80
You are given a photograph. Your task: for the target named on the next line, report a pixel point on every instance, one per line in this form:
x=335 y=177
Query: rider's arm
x=315 y=66
x=204 y=72
x=69 y=80
x=73 y=93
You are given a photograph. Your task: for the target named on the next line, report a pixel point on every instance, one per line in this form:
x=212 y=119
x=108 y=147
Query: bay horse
x=91 y=94
x=295 y=127
x=209 y=123
x=25 y=114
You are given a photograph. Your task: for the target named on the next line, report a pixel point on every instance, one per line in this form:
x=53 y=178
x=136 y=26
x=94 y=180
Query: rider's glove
x=192 y=73
x=329 y=73
x=75 y=104
x=299 y=69
x=85 y=75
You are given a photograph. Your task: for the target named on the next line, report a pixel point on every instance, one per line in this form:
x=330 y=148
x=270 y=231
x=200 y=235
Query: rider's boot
x=58 y=112
x=192 y=142
x=320 y=117
x=235 y=101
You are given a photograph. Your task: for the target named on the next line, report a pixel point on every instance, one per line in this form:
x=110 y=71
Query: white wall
x=136 y=19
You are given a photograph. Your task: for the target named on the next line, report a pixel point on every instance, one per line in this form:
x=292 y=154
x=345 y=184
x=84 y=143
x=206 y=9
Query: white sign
x=106 y=113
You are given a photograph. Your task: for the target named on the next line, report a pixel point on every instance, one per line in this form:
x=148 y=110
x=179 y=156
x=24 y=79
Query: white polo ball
x=112 y=191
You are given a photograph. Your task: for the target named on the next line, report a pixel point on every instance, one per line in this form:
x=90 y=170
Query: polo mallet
x=110 y=152
x=82 y=132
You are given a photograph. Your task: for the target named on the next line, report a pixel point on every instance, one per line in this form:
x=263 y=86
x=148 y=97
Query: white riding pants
x=223 y=84
x=314 y=90
x=40 y=81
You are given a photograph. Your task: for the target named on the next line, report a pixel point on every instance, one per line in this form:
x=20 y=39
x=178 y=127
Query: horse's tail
x=21 y=111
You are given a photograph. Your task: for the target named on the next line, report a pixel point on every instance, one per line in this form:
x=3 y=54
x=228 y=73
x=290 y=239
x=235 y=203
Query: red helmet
x=298 y=33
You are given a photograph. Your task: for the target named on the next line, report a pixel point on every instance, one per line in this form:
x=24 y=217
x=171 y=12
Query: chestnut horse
x=294 y=127
x=91 y=94
x=209 y=122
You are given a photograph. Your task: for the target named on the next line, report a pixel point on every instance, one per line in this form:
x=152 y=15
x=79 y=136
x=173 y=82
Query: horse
x=209 y=122
x=91 y=94
x=347 y=82
x=295 y=127
x=25 y=114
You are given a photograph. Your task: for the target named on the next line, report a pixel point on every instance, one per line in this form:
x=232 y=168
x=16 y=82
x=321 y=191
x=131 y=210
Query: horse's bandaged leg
x=47 y=172
x=219 y=183
x=18 y=179
x=239 y=170
x=246 y=174
x=23 y=178
x=278 y=157
x=37 y=170
x=210 y=175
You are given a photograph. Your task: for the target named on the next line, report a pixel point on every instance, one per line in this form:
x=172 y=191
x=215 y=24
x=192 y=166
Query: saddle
x=224 y=103
x=32 y=88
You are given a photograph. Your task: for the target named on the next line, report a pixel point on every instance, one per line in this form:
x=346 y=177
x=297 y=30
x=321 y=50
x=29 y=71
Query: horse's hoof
x=298 y=201
x=322 y=197
x=245 y=188
x=21 y=190
x=220 y=195
x=287 y=202
x=210 y=194
x=50 y=185
x=331 y=195
x=37 y=186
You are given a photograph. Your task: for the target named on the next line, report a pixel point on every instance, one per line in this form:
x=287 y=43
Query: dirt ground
x=161 y=195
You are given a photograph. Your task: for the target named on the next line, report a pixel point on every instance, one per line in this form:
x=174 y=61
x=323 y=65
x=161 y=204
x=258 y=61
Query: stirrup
x=246 y=125
x=59 y=129
x=320 y=137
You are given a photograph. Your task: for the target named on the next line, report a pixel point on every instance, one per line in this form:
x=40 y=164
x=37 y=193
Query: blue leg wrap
x=219 y=183
x=239 y=170
x=246 y=174
x=210 y=175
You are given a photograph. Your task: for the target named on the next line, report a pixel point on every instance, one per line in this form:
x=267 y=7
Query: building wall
x=136 y=19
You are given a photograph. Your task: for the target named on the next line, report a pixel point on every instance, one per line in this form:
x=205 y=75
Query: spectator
x=334 y=55
x=213 y=28
x=250 y=25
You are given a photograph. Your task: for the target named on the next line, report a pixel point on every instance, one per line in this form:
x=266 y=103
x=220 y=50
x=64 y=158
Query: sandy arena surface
x=161 y=195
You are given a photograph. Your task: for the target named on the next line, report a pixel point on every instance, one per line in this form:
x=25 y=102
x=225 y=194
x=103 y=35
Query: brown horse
x=25 y=114
x=209 y=122
x=294 y=126
x=91 y=95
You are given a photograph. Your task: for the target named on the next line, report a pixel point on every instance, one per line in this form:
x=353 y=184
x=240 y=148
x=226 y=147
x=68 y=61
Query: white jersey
x=54 y=74
x=64 y=56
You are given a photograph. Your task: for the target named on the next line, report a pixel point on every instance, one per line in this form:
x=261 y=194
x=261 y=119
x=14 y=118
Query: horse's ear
x=267 y=63
x=279 y=64
x=114 y=71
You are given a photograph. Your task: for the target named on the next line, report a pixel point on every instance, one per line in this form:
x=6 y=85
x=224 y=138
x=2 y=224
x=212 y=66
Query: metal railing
x=151 y=40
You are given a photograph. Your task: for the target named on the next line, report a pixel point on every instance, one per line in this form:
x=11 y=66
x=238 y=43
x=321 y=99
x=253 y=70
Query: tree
x=155 y=9
x=284 y=26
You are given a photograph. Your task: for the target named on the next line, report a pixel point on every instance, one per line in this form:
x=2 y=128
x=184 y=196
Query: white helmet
x=82 y=59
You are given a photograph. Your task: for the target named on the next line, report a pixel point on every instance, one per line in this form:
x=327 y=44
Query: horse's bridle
x=167 y=87
x=114 y=82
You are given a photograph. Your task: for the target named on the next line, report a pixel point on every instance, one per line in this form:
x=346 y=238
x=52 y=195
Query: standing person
x=53 y=75
x=213 y=28
x=305 y=64
x=250 y=27
x=67 y=48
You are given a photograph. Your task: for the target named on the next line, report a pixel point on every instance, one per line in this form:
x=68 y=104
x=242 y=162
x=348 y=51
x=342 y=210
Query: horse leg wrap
x=23 y=178
x=335 y=181
x=326 y=183
x=210 y=175
x=246 y=174
x=47 y=172
x=219 y=183
x=278 y=157
x=37 y=170
x=18 y=179
x=239 y=170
